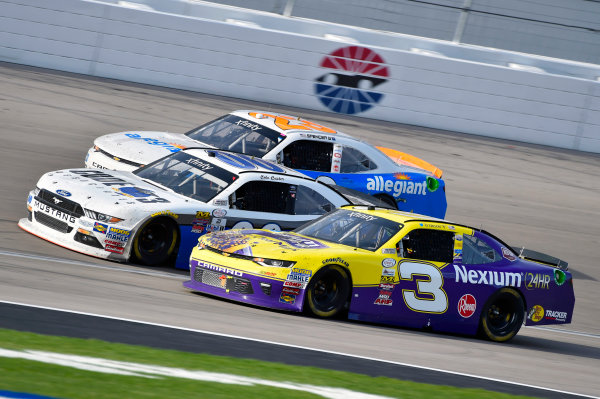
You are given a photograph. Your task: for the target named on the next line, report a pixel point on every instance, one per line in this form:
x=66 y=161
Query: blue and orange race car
x=402 y=180
x=391 y=267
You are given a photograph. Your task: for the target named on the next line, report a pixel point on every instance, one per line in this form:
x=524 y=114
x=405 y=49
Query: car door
x=419 y=298
x=274 y=205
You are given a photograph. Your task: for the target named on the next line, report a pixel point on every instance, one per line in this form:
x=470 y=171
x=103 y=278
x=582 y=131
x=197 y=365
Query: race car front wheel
x=155 y=242
x=327 y=292
x=502 y=315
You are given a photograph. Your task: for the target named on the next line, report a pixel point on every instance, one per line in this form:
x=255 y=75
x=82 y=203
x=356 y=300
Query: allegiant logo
x=487 y=277
x=397 y=187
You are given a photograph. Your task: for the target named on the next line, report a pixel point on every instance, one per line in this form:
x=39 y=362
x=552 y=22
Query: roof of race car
x=398 y=216
x=241 y=163
x=287 y=124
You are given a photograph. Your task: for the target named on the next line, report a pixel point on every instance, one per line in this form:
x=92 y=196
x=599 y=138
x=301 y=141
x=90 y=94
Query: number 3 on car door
x=429 y=297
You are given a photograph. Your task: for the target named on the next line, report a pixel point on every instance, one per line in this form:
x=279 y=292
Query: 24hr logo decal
x=353 y=73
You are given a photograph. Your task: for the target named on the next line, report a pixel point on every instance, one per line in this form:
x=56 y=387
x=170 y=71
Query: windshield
x=188 y=175
x=352 y=228
x=359 y=198
x=237 y=134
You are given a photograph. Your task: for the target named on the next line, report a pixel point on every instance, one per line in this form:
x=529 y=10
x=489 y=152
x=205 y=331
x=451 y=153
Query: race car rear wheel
x=328 y=291
x=502 y=315
x=156 y=241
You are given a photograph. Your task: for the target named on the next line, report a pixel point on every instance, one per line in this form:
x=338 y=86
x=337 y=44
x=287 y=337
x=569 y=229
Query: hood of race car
x=262 y=243
x=144 y=147
x=119 y=194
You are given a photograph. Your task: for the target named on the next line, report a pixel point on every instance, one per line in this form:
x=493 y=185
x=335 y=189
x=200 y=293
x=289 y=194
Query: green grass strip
x=69 y=383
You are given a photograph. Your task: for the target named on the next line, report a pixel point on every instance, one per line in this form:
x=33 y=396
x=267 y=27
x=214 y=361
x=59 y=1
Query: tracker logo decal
x=348 y=85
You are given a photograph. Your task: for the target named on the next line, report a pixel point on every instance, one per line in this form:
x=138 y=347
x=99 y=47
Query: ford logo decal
x=64 y=193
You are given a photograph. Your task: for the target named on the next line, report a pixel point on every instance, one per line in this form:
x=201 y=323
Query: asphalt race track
x=543 y=198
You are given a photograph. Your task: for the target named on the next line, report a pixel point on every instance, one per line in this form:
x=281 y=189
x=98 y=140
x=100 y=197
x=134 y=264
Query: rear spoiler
x=403 y=158
x=535 y=256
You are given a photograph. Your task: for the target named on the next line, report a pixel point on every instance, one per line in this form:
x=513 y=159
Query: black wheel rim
x=502 y=315
x=154 y=239
x=326 y=291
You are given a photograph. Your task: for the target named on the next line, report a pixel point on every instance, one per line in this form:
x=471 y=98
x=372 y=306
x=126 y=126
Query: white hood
x=144 y=147
x=93 y=190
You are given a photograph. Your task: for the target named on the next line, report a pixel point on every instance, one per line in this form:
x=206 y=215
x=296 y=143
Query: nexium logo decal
x=353 y=73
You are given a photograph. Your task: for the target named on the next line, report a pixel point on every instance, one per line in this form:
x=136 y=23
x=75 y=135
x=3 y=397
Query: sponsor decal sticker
x=199 y=225
x=335 y=260
x=165 y=213
x=388 y=251
x=202 y=215
x=487 y=277
x=151 y=141
x=219 y=213
x=114 y=246
x=467 y=305
x=64 y=193
x=383 y=301
x=386 y=286
x=290 y=291
x=116 y=234
x=348 y=86
x=220 y=202
x=396 y=187
x=388 y=262
x=507 y=253
x=292 y=284
x=388 y=272
x=285 y=298
x=536 y=313
x=387 y=279
x=216 y=224
x=556 y=315
x=537 y=280
x=559 y=277
x=100 y=227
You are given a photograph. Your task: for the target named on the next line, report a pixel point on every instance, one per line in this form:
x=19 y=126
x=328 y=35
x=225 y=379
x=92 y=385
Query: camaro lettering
x=487 y=277
x=396 y=187
x=220 y=269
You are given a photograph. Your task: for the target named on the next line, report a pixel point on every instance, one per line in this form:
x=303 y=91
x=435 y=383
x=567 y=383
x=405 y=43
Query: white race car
x=402 y=180
x=159 y=211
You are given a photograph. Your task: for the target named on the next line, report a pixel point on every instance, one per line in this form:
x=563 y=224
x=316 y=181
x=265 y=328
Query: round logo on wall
x=353 y=73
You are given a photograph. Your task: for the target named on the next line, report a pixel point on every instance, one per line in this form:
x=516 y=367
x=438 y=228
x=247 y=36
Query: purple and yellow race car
x=391 y=267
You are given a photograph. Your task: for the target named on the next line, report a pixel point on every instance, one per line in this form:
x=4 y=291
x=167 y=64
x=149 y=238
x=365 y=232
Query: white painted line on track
x=559 y=330
x=92 y=265
x=305 y=348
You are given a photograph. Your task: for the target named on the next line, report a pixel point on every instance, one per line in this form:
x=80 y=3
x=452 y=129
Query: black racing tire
x=387 y=200
x=328 y=291
x=502 y=315
x=156 y=241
